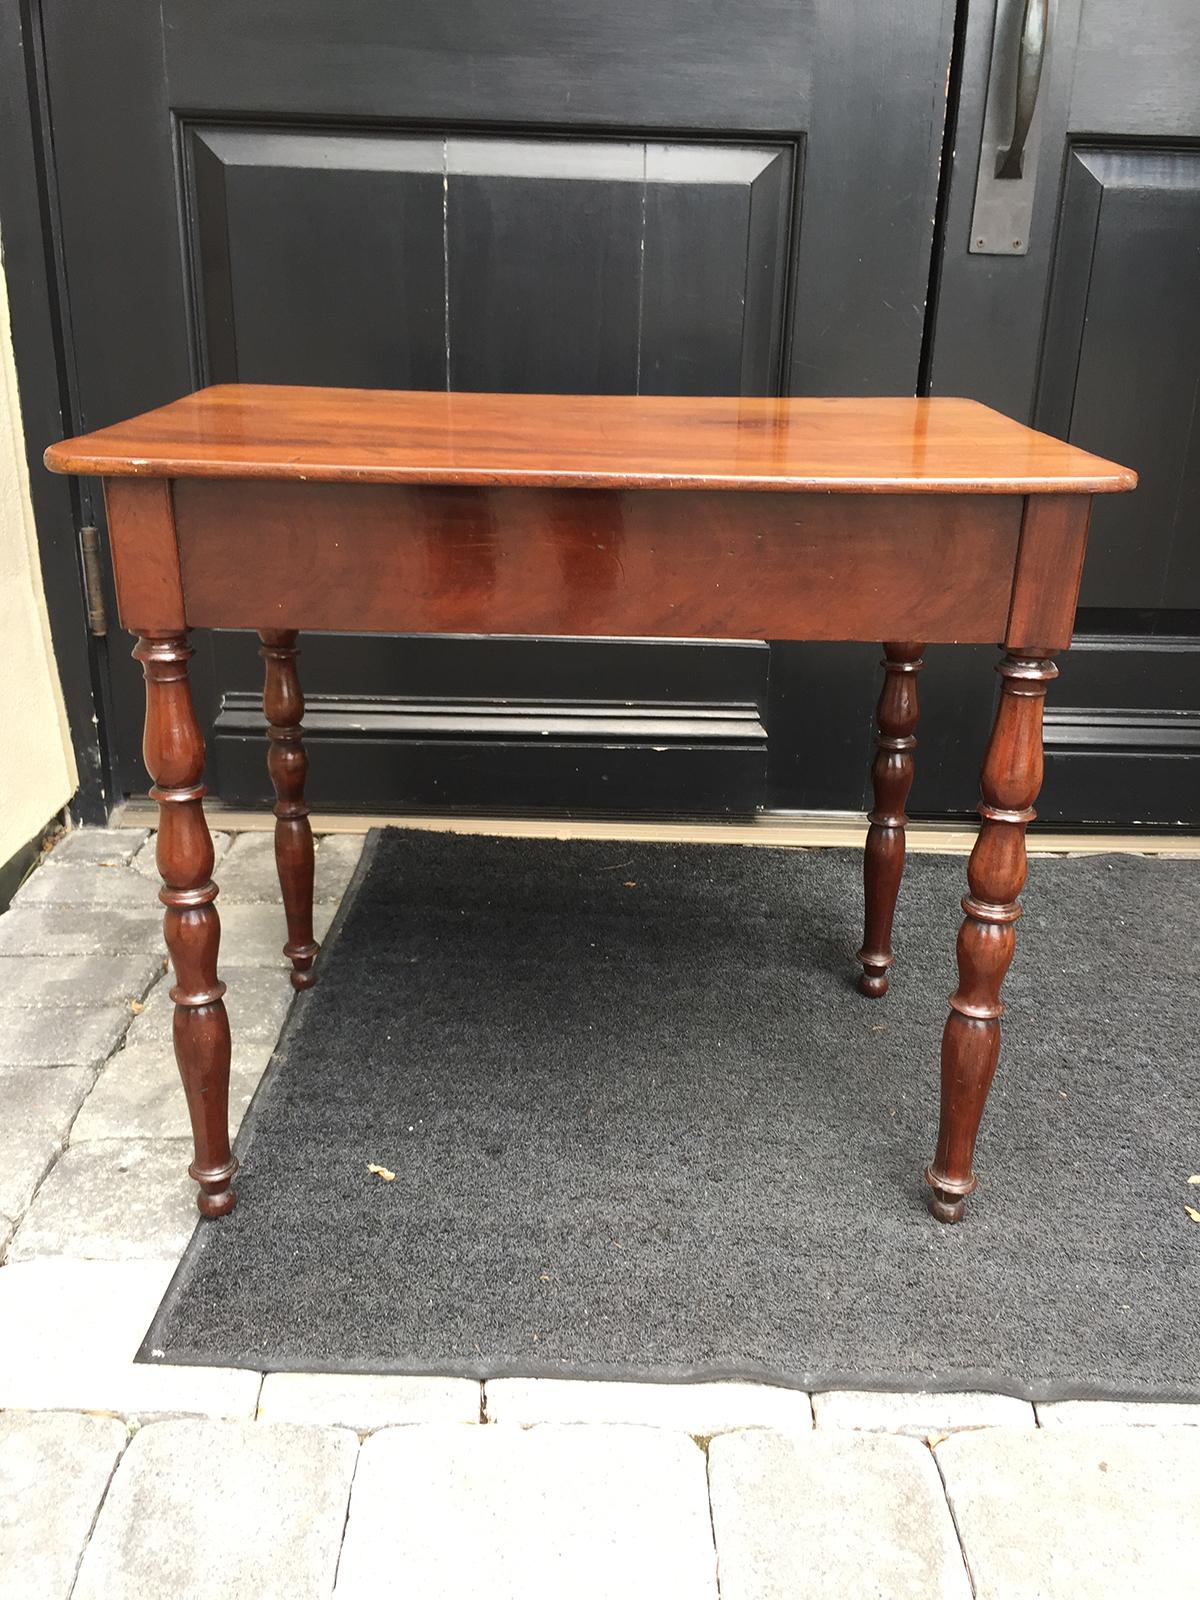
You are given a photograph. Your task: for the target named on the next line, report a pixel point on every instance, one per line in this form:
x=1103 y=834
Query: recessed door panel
x=317 y=257
x=398 y=260
x=715 y=267
x=1121 y=364
x=543 y=253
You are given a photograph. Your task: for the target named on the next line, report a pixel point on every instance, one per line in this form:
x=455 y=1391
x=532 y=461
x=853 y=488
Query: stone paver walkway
x=156 y=1482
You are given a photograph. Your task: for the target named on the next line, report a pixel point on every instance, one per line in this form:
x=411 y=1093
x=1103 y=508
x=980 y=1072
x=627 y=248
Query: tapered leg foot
x=174 y=752
x=283 y=704
x=216 y=1197
x=944 y=1206
x=892 y=776
x=1012 y=777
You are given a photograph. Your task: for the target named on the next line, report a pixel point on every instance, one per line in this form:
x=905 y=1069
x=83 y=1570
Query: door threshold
x=800 y=830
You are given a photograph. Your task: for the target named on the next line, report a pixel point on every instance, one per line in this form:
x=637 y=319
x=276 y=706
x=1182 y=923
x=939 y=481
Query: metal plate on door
x=1010 y=147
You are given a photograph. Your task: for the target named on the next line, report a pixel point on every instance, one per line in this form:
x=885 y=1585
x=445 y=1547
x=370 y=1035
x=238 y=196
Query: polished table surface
x=589 y=441
x=907 y=521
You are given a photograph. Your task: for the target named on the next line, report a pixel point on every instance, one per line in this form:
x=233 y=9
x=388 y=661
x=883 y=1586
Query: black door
x=663 y=196
x=1083 y=316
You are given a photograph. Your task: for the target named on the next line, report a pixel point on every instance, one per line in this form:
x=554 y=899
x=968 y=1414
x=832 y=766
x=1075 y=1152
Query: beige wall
x=37 y=767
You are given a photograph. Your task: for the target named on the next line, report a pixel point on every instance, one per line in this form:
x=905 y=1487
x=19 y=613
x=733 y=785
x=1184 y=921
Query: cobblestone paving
x=154 y=1481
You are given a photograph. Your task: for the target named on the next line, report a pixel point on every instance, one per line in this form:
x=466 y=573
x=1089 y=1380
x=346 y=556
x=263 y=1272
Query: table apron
x=579 y=562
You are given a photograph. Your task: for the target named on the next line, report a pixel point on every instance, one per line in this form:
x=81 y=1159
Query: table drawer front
x=603 y=563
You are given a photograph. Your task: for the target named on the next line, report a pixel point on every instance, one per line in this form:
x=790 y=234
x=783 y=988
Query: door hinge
x=93 y=582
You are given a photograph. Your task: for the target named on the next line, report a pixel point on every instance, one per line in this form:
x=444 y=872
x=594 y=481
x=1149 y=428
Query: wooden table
x=281 y=509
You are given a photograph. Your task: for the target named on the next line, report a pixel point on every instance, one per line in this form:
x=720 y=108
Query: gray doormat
x=642 y=1126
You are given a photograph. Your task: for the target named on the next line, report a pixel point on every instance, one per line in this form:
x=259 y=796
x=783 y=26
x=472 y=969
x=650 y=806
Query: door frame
x=41 y=350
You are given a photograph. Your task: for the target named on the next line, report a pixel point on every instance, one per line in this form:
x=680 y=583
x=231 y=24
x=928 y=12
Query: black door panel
x=1094 y=335
x=316 y=257
x=1121 y=363
x=660 y=197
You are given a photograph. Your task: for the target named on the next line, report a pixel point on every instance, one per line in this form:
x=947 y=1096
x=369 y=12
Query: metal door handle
x=1034 y=30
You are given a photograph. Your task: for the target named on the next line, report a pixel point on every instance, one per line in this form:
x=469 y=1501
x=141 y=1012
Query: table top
x=589 y=441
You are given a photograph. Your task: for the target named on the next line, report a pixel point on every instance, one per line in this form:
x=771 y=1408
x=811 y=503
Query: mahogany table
x=282 y=509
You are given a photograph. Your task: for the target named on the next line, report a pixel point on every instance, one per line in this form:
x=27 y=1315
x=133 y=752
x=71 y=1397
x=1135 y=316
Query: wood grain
x=861 y=446
x=174 y=754
x=287 y=763
x=141 y=524
x=891 y=780
x=590 y=563
x=1049 y=569
x=1010 y=781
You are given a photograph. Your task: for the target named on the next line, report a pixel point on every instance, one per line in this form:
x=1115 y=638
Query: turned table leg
x=283 y=705
x=1011 y=779
x=174 y=752
x=892 y=776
